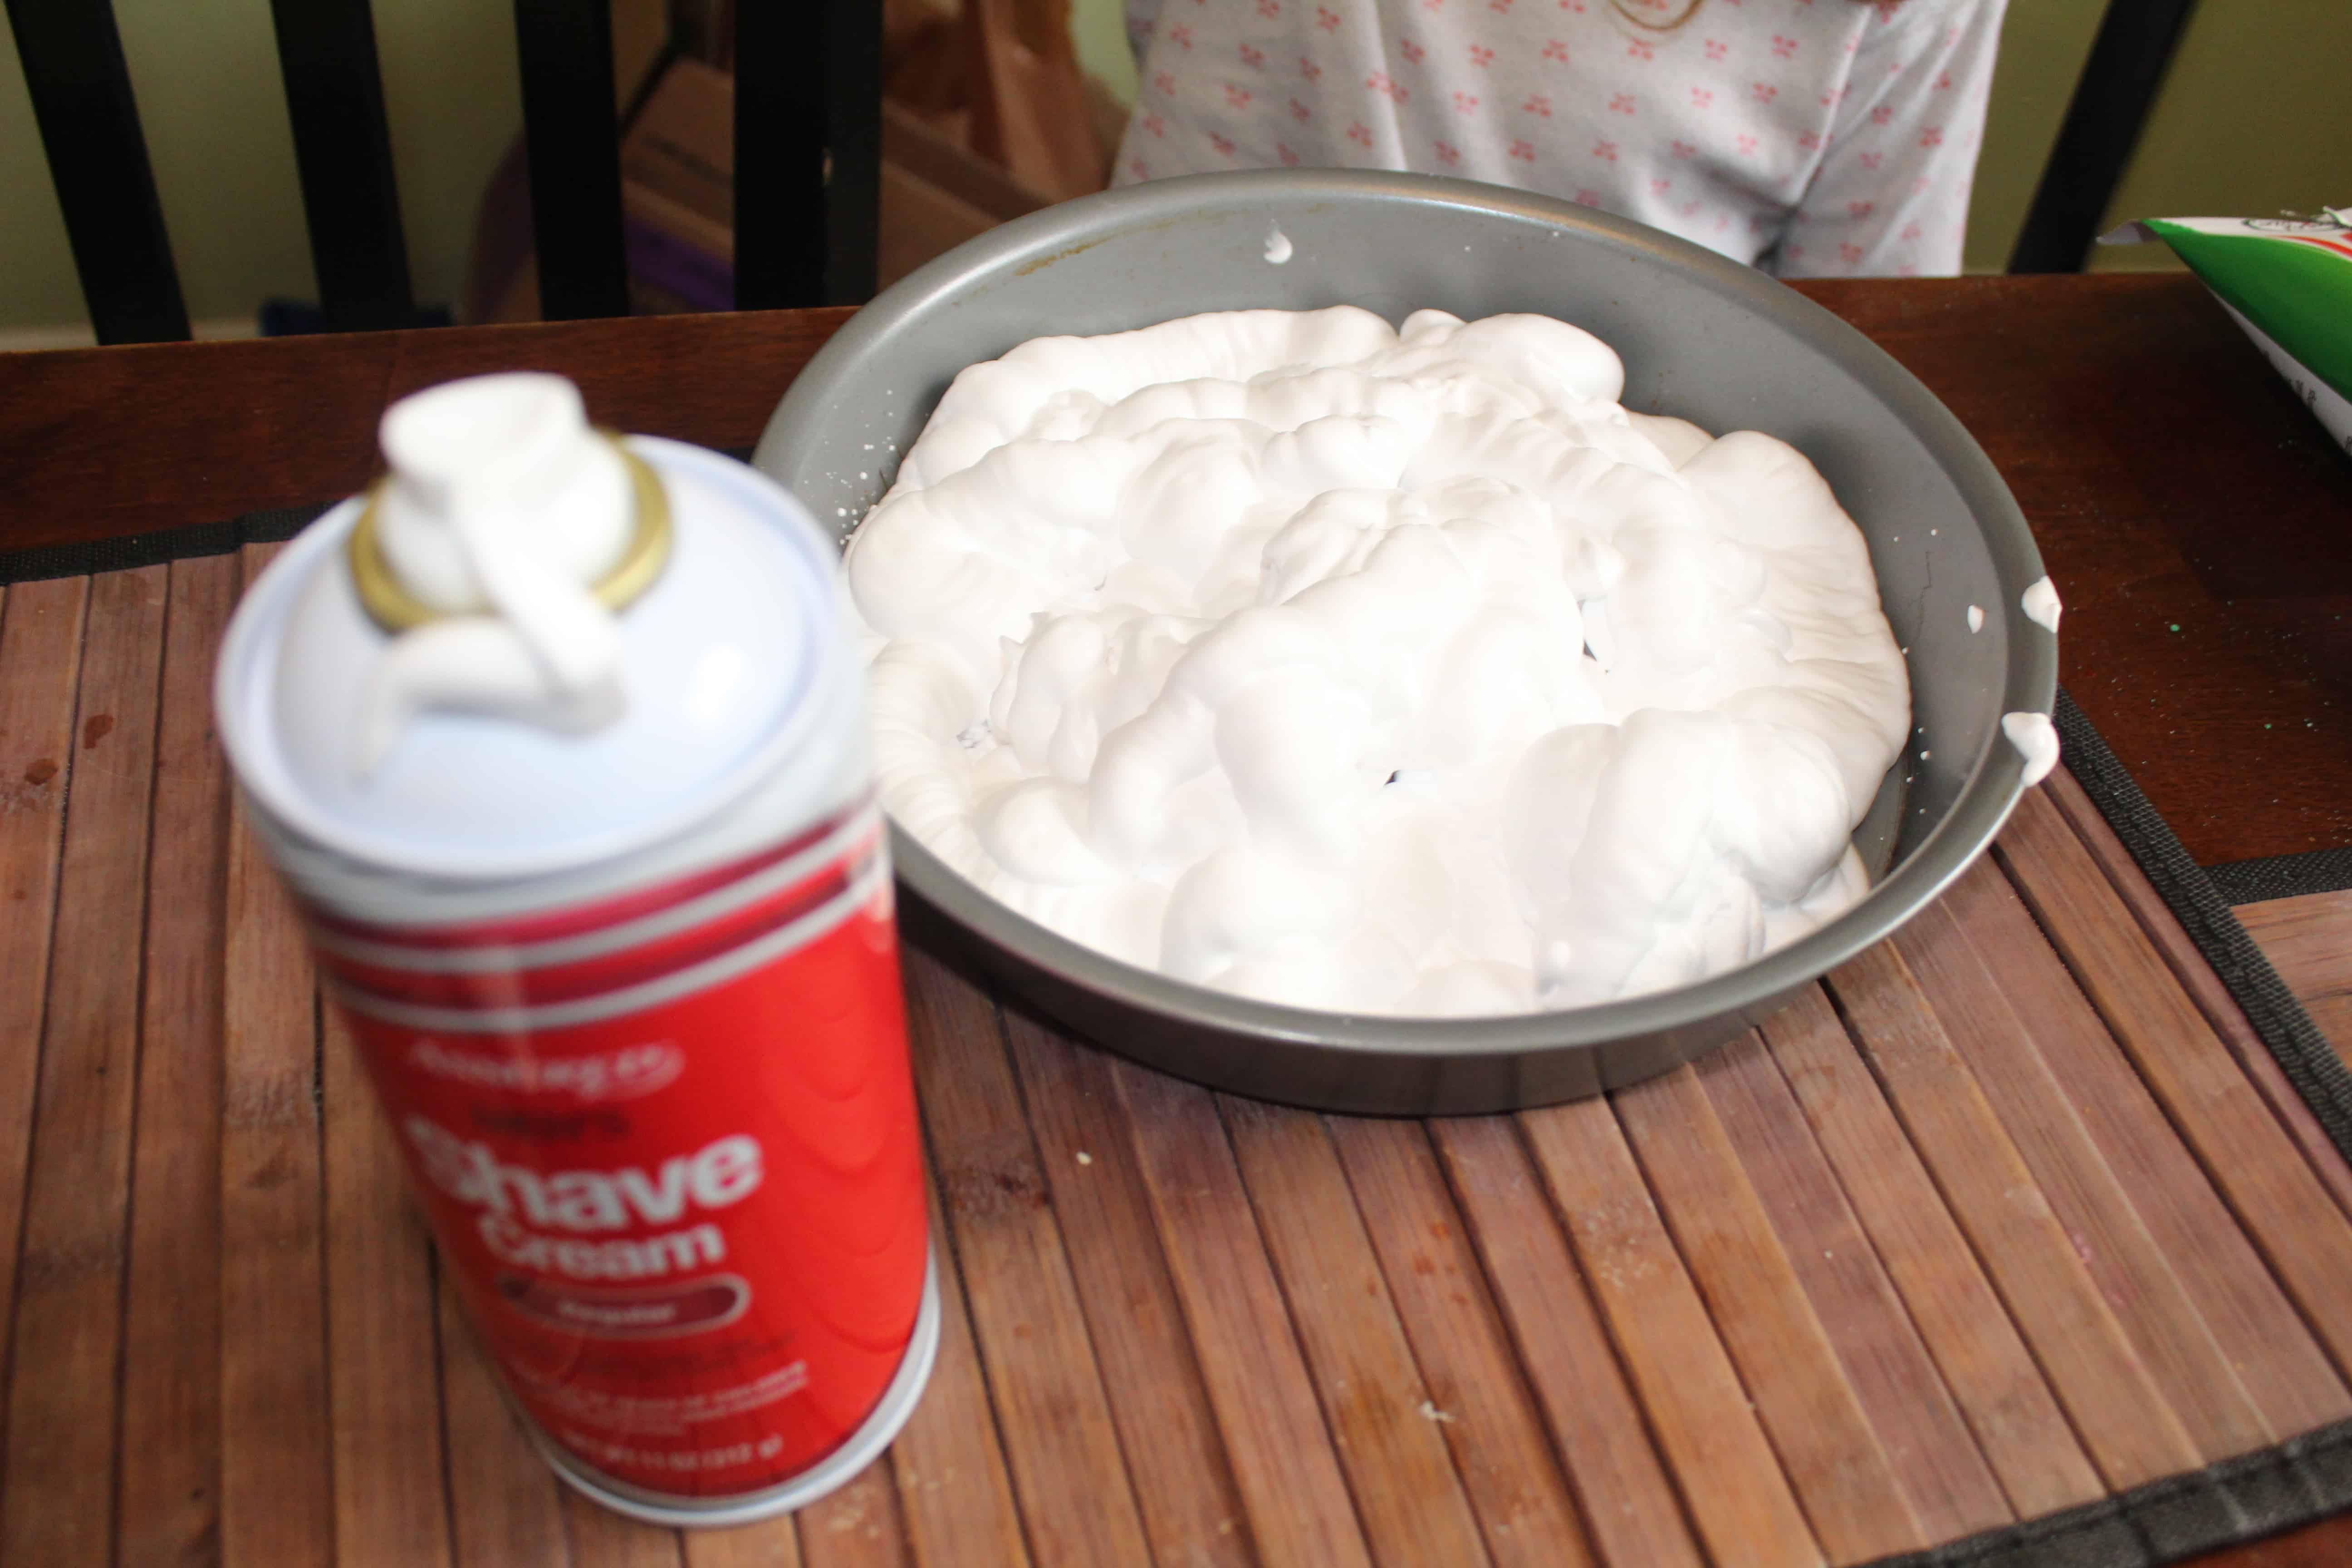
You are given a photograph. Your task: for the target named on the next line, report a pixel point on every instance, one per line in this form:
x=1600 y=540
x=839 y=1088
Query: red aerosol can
x=559 y=739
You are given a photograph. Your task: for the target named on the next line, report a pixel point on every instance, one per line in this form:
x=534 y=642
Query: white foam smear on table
x=1277 y=247
x=2041 y=604
x=1377 y=671
x=2036 y=740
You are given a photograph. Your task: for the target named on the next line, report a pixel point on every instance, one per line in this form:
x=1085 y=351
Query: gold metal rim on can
x=396 y=609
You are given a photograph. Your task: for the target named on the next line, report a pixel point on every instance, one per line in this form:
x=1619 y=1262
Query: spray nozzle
x=492 y=549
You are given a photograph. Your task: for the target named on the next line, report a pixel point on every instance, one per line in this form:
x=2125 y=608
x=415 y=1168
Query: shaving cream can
x=623 y=973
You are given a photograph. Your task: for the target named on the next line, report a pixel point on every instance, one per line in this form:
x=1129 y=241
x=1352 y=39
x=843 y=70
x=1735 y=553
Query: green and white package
x=2288 y=282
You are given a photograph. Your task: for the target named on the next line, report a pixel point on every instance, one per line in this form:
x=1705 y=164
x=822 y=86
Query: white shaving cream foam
x=1374 y=670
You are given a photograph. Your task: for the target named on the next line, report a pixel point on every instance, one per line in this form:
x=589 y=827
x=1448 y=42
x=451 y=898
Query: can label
x=670 y=1150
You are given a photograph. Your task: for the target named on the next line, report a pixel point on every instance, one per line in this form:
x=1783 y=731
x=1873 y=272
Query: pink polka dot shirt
x=1810 y=137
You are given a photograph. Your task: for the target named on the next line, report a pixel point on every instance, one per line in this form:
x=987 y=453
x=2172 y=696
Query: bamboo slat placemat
x=2012 y=1217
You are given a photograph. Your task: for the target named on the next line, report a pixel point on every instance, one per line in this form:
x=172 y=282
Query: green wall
x=37 y=276
x=1098 y=27
x=453 y=94
x=2043 y=46
x=205 y=76
x=225 y=166
x=2254 y=118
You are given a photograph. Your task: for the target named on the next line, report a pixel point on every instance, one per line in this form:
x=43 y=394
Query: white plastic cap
x=716 y=662
x=503 y=511
x=506 y=460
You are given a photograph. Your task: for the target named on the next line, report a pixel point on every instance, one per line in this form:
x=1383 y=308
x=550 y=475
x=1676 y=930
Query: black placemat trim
x=2306 y=1478
x=2310 y=1063
x=2226 y=1504
x=130 y=549
x=2282 y=876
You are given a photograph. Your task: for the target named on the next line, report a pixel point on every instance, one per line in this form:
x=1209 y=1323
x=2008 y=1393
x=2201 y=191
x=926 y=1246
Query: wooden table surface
x=2195 y=519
